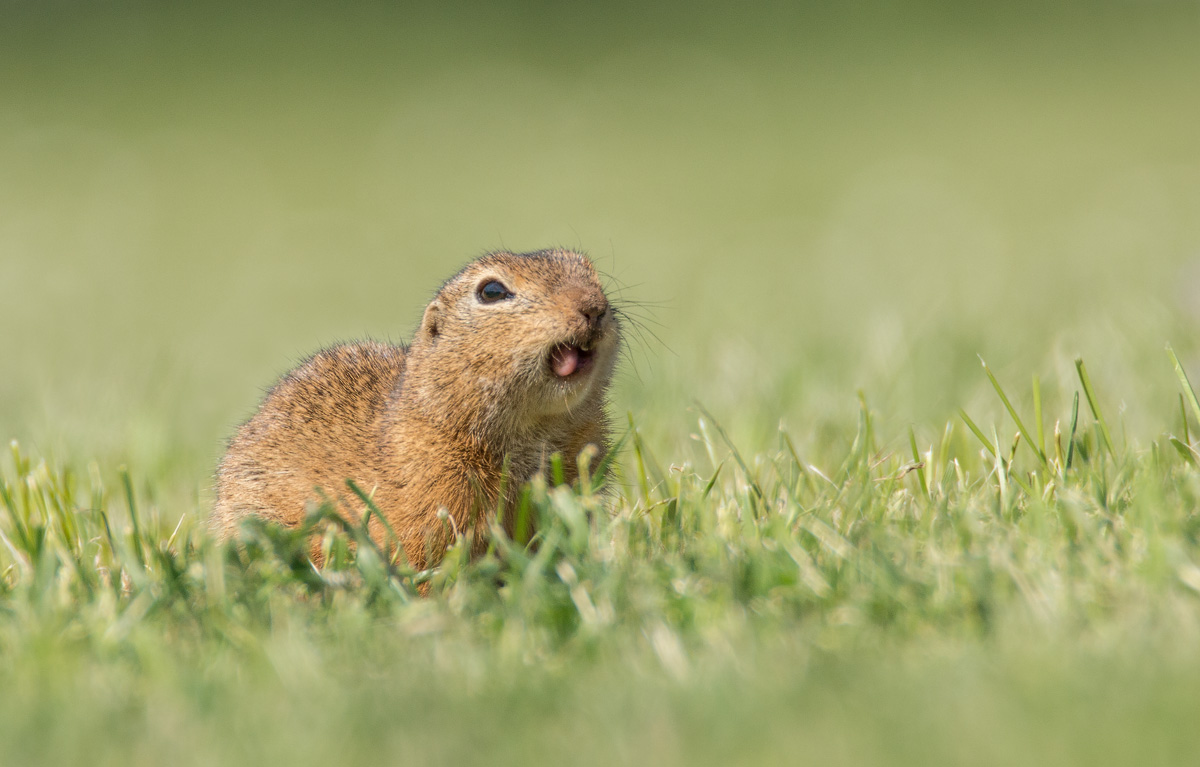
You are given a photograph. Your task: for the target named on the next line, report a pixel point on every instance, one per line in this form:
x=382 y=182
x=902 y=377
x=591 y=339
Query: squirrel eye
x=491 y=292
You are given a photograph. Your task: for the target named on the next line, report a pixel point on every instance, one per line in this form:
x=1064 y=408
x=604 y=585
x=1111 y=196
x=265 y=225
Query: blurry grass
x=729 y=609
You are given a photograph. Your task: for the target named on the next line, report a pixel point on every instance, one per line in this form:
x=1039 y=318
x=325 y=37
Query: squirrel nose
x=594 y=311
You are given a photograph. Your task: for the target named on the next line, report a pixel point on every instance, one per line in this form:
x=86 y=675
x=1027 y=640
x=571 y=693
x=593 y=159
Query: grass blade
x=868 y=429
x=600 y=476
x=1091 y=398
x=912 y=441
x=1013 y=412
x=708 y=487
x=1188 y=391
x=133 y=516
x=643 y=480
x=1184 y=451
x=943 y=460
x=975 y=430
x=373 y=510
x=1183 y=420
x=787 y=441
x=733 y=449
x=1074 y=425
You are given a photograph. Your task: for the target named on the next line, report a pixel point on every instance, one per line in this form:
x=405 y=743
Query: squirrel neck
x=477 y=422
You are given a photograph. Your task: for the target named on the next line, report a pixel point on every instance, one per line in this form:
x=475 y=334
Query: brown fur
x=429 y=426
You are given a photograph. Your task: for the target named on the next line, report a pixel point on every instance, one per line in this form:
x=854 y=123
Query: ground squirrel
x=509 y=365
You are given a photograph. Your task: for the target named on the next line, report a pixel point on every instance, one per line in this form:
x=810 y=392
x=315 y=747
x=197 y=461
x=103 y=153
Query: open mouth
x=570 y=361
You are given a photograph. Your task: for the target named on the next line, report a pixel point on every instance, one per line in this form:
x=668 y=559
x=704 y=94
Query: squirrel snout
x=593 y=309
x=586 y=309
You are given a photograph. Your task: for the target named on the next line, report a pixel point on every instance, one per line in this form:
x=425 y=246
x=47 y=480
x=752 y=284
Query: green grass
x=876 y=609
x=830 y=536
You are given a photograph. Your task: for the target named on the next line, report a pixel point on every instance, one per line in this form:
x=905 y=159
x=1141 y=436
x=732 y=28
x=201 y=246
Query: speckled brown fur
x=429 y=426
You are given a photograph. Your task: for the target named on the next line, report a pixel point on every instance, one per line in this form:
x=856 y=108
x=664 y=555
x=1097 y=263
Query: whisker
x=640 y=329
x=642 y=318
x=639 y=303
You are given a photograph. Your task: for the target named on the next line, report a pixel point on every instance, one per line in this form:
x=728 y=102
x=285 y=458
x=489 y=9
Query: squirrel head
x=528 y=337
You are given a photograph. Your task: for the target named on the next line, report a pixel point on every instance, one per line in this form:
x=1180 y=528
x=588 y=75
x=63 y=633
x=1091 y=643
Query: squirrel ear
x=431 y=320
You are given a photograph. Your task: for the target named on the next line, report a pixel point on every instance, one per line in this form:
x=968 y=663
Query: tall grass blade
x=1074 y=426
x=1185 y=451
x=558 y=471
x=393 y=541
x=15 y=515
x=920 y=465
x=1091 y=398
x=127 y=483
x=737 y=456
x=1183 y=421
x=787 y=441
x=1188 y=391
x=524 y=521
x=1041 y=455
x=604 y=467
x=868 y=428
x=708 y=487
x=1037 y=414
x=976 y=431
x=943 y=460
x=639 y=456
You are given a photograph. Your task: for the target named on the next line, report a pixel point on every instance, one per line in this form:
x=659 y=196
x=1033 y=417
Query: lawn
x=908 y=473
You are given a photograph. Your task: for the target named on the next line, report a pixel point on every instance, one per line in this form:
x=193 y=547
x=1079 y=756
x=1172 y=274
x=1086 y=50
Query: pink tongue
x=565 y=360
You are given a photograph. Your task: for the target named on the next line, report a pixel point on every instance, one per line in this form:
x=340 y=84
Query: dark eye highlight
x=491 y=292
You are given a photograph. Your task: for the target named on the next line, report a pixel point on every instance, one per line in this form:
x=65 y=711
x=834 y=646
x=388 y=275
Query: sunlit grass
x=788 y=573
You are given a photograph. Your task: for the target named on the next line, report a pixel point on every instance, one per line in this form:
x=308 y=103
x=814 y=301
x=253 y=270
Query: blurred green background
x=811 y=200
